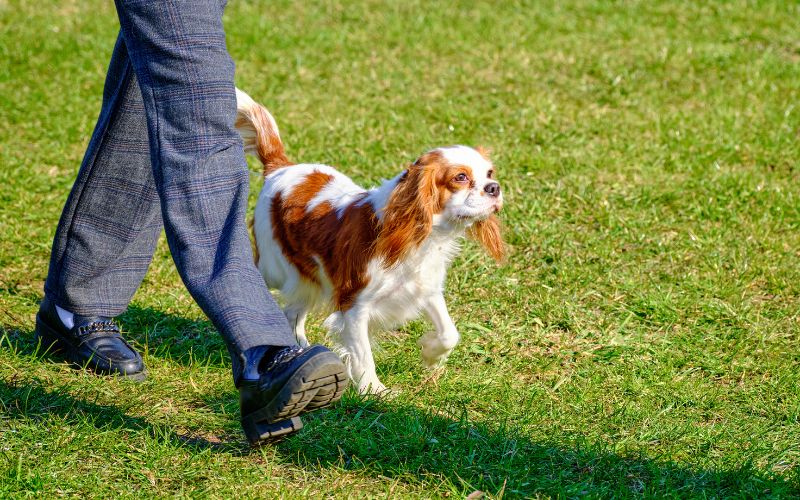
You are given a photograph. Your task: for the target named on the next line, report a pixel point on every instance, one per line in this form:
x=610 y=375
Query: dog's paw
x=436 y=347
x=434 y=362
x=374 y=387
x=434 y=355
x=383 y=393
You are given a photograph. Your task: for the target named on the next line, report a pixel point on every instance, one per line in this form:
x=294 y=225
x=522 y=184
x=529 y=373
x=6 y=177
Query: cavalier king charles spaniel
x=370 y=258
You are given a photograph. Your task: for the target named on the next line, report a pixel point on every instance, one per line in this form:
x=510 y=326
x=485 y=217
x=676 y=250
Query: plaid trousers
x=165 y=153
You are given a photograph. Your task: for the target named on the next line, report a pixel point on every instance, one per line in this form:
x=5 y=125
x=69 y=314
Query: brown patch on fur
x=408 y=216
x=488 y=234
x=259 y=134
x=343 y=245
x=290 y=223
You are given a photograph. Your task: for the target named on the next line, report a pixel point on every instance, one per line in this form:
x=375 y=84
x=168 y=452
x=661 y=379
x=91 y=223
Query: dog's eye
x=462 y=177
x=490 y=174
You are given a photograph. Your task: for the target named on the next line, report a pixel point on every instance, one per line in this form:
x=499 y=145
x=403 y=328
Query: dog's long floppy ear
x=488 y=234
x=408 y=216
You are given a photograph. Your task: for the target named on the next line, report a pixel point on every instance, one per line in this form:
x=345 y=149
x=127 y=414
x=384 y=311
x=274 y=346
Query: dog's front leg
x=360 y=363
x=296 y=316
x=438 y=344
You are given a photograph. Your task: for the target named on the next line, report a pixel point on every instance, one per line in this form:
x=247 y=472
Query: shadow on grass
x=167 y=336
x=383 y=438
x=185 y=341
x=31 y=401
x=392 y=439
x=395 y=440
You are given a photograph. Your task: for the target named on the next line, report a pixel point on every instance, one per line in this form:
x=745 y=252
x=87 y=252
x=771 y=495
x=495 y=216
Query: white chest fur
x=397 y=294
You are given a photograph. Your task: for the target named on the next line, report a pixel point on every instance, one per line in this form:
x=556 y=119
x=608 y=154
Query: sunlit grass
x=641 y=340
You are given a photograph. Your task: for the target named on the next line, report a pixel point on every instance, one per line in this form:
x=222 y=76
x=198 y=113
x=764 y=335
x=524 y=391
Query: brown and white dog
x=371 y=258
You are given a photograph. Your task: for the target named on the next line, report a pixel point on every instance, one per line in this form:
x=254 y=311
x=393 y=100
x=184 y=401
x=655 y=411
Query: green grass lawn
x=643 y=338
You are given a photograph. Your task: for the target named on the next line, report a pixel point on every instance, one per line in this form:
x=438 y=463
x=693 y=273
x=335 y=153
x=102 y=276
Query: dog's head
x=451 y=187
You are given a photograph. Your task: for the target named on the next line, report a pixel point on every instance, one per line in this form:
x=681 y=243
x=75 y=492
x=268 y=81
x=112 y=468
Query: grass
x=642 y=339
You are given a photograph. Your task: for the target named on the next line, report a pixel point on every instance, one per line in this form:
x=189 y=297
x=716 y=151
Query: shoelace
x=283 y=355
x=98 y=326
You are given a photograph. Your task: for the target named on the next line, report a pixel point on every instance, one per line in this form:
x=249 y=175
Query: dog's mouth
x=478 y=215
x=467 y=213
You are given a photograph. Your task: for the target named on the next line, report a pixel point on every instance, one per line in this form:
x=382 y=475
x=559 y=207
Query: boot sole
x=55 y=343
x=320 y=382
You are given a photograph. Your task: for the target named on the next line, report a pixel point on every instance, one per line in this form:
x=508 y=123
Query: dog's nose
x=492 y=189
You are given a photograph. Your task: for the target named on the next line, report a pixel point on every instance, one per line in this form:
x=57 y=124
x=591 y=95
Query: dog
x=371 y=258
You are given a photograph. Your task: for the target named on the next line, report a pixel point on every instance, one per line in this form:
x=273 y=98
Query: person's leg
x=110 y=225
x=178 y=51
x=112 y=219
x=106 y=236
x=186 y=76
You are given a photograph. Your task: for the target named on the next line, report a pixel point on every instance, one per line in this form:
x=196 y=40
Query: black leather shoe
x=94 y=342
x=279 y=384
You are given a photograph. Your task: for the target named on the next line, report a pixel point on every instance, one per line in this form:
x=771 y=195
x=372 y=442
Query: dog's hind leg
x=296 y=315
x=438 y=344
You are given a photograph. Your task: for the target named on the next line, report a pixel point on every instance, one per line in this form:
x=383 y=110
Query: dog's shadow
x=380 y=437
x=189 y=342
x=165 y=336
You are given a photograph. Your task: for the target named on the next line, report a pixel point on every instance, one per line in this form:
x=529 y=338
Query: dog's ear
x=485 y=152
x=408 y=216
x=489 y=235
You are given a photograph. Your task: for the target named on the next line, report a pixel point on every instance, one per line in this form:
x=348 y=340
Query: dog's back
x=314 y=230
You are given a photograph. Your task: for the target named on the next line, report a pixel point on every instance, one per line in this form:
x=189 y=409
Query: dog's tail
x=259 y=133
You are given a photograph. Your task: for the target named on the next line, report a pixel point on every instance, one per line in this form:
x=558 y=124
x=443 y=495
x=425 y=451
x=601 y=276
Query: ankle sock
x=66 y=317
